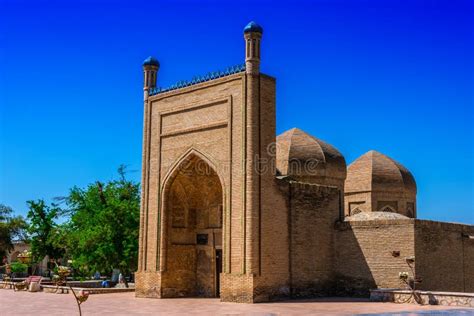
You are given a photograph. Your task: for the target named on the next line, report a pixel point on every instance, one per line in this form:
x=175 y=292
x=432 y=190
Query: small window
x=387 y=206
x=356 y=211
x=356 y=207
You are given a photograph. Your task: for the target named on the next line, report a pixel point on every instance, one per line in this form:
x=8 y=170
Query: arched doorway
x=193 y=207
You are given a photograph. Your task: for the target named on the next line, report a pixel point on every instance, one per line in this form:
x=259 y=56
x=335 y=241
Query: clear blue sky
x=394 y=76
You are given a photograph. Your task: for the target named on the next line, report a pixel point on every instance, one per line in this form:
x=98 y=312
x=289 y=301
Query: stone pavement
x=25 y=303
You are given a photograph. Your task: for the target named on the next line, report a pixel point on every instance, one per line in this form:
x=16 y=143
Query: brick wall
x=238 y=288
x=444 y=256
x=272 y=282
x=313 y=211
x=148 y=284
x=364 y=254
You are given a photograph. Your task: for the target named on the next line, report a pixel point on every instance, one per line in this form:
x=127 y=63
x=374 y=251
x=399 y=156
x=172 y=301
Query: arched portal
x=193 y=208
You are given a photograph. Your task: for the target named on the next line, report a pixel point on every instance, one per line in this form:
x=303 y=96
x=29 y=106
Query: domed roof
x=374 y=171
x=253 y=27
x=369 y=216
x=151 y=61
x=300 y=154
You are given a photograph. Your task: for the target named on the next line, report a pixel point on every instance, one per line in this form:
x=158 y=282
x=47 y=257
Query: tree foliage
x=103 y=227
x=99 y=229
x=43 y=230
x=11 y=228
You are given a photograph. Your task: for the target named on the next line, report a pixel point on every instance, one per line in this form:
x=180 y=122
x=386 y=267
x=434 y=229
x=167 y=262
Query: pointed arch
x=388 y=208
x=186 y=159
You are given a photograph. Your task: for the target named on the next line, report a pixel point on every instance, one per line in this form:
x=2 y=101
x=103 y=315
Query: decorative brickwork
x=210 y=76
x=148 y=284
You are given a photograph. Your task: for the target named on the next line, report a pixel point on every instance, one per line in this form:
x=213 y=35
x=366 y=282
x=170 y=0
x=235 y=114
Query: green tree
x=11 y=228
x=43 y=230
x=103 y=231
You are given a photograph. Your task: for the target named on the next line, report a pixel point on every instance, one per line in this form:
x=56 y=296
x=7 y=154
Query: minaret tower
x=252 y=34
x=150 y=70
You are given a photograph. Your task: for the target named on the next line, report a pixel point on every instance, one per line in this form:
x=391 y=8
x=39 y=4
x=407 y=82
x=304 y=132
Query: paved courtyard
x=25 y=303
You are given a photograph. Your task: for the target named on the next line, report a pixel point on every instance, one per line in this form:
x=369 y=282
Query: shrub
x=18 y=267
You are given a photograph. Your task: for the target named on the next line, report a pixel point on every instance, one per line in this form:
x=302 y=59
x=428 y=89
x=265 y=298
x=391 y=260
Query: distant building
x=18 y=247
x=229 y=209
x=21 y=246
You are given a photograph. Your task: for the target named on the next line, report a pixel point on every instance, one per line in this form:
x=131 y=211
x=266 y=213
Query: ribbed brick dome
x=374 y=171
x=300 y=154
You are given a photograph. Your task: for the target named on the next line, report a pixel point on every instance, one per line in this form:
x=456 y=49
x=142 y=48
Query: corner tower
x=151 y=65
x=253 y=35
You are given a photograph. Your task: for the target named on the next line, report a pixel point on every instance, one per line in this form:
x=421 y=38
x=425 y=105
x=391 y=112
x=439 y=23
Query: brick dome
x=370 y=216
x=374 y=171
x=299 y=154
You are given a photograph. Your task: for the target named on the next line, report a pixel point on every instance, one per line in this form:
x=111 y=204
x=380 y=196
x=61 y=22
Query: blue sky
x=394 y=76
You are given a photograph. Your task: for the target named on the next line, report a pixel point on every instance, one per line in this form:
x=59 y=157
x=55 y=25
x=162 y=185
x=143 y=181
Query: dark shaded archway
x=193 y=204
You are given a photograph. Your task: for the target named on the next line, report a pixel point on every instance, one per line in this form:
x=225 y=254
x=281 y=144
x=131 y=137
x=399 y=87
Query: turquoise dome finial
x=151 y=61
x=253 y=27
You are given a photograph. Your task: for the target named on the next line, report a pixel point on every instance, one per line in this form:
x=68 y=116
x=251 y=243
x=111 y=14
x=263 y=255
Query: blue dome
x=151 y=61
x=253 y=27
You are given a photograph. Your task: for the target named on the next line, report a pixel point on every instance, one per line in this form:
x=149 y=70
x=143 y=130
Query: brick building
x=229 y=209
